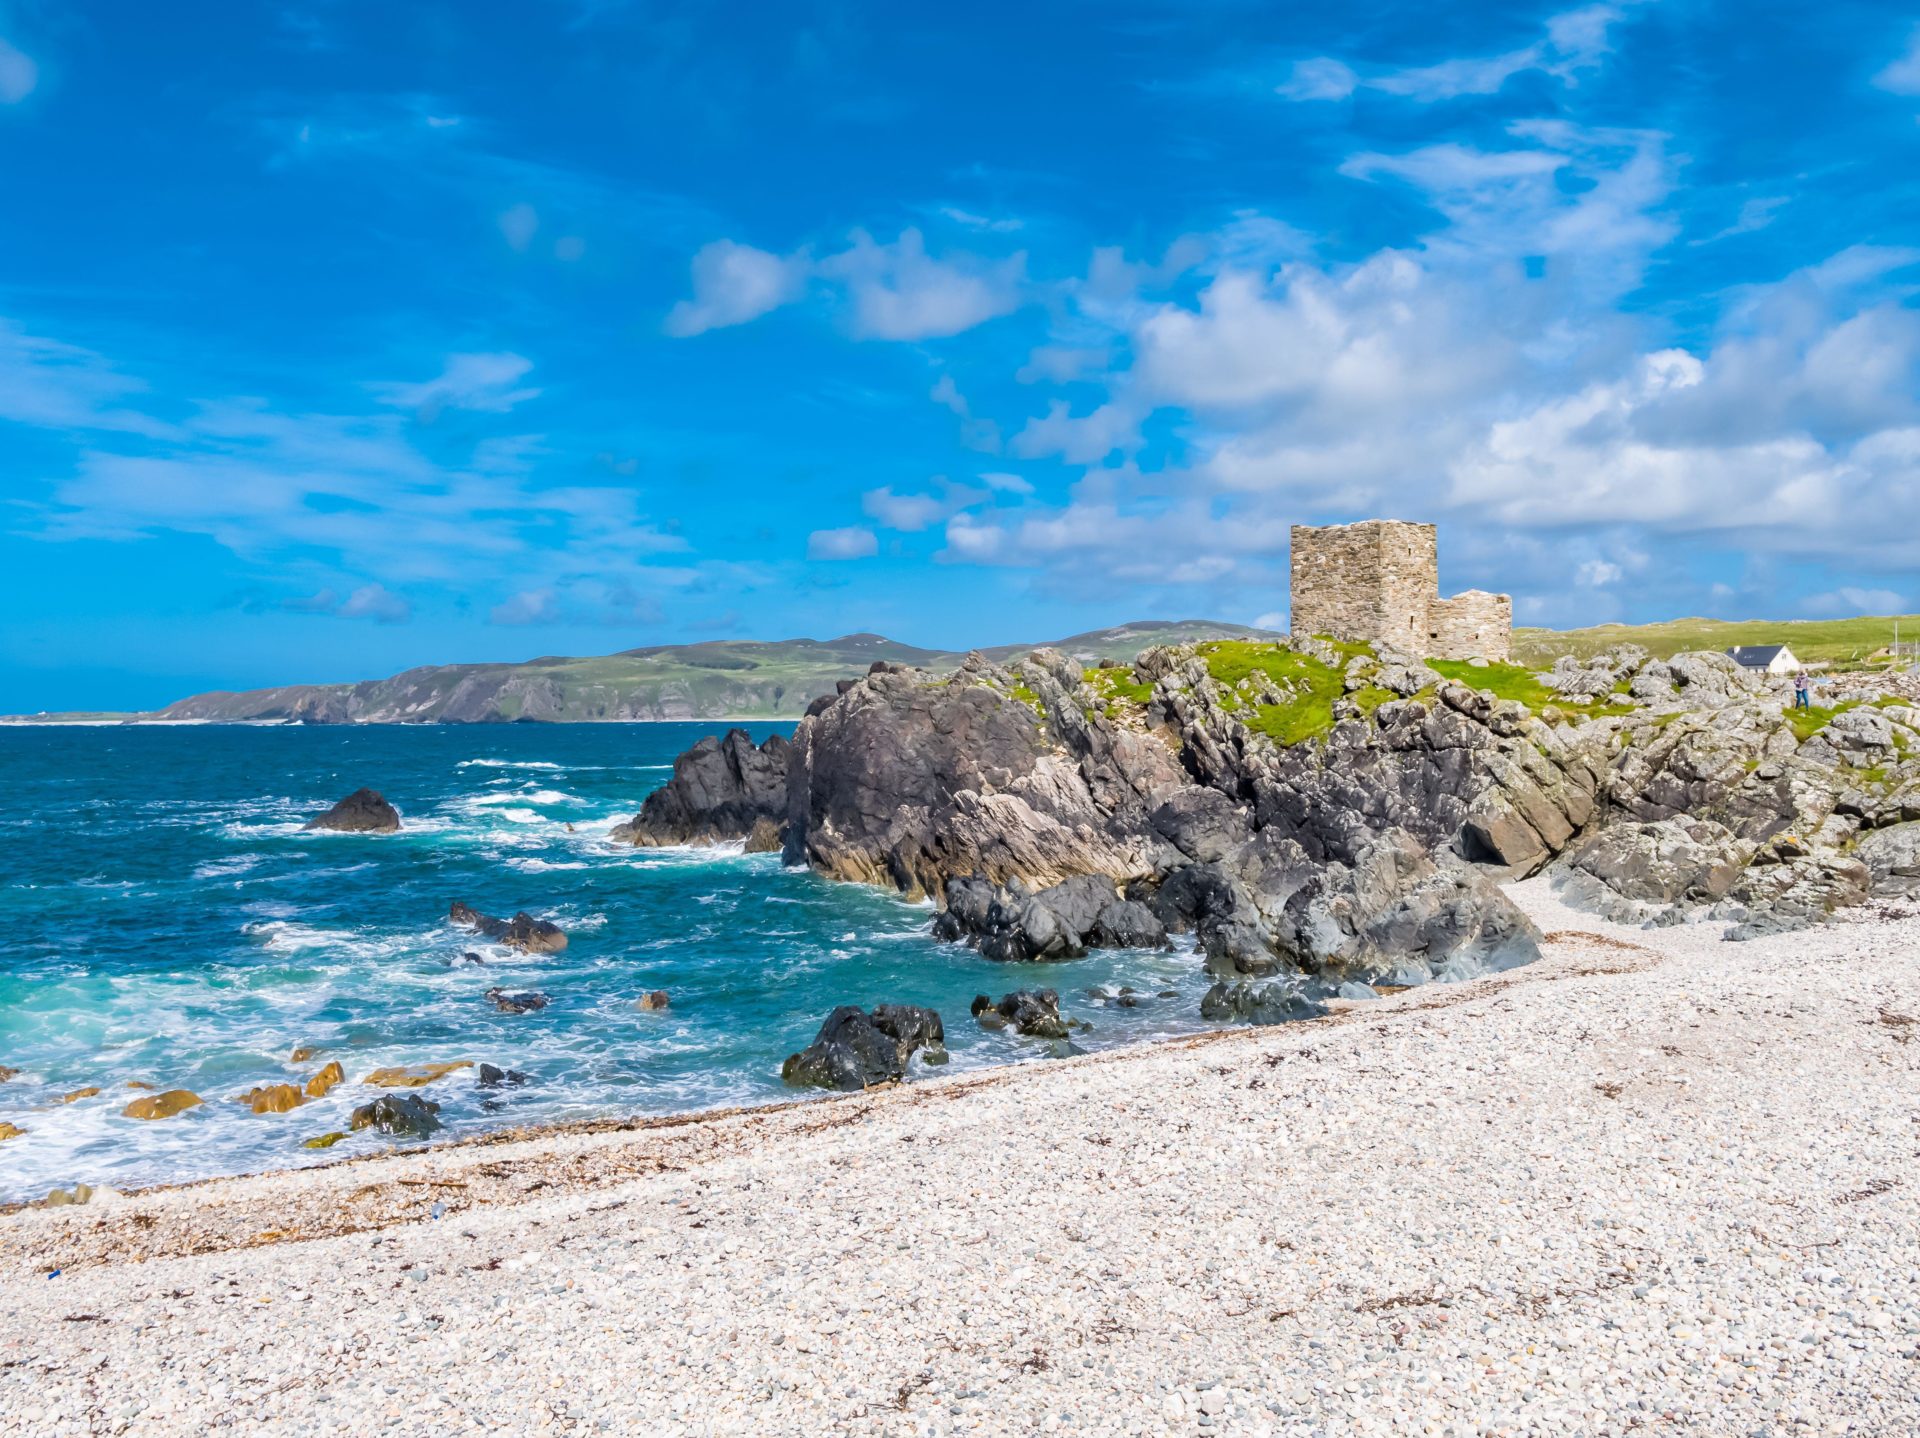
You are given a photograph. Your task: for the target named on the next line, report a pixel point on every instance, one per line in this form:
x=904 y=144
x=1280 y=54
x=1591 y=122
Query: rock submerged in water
x=8 y=1131
x=324 y=1140
x=527 y=1003
x=1033 y=1012
x=420 y=1077
x=403 y=1116
x=523 y=932
x=162 y=1105
x=654 y=1002
x=361 y=812
x=7 y=1073
x=492 y=1077
x=856 y=1050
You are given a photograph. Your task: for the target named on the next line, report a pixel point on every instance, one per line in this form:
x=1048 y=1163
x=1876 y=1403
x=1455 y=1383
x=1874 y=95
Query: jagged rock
x=721 y=790
x=1628 y=872
x=493 y=1077
x=1033 y=1012
x=523 y=932
x=272 y=1098
x=361 y=812
x=1892 y=857
x=324 y=1081
x=1127 y=924
x=1015 y=926
x=856 y=1050
x=526 y=1003
x=403 y=1116
x=162 y=1105
x=1243 y=1002
x=8 y=1130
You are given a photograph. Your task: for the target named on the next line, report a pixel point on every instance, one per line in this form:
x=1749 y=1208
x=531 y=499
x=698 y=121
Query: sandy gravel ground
x=1655 y=1184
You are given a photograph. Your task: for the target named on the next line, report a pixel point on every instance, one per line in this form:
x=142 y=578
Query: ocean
x=169 y=922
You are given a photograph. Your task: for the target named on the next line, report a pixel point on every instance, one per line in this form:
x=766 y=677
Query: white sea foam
x=509 y=764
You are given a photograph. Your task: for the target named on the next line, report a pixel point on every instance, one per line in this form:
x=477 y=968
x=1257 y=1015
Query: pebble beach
x=1655 y=1182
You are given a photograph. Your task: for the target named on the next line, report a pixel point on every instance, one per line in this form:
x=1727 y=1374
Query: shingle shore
x=1655 y=1183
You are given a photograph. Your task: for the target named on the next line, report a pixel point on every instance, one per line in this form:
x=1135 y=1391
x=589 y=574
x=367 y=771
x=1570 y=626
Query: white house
x=1769 y=658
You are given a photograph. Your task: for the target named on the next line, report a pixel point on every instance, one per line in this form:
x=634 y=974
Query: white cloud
x=975 y=433
x=480 y=382
x=518 y=225
x=1902 y=77
x=734 y=283
x=911 y=513
x=1755 y=214
x=852 y=542
x=1575 y=42
x=892 y=291
x=529 y=606
x=1083 y=439
x=984 y=223
x=1597 y=573
x=18 y=75
x=1848 y=601
x=1006 y=483
x=899 y=292
x=378 y=603
x=1275 y=619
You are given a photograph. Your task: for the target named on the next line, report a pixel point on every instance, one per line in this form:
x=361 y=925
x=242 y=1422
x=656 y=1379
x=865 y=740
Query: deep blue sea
x=168 y=921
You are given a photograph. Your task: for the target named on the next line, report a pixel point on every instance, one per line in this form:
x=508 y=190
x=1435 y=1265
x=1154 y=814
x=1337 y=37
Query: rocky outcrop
x=526 y=1003
x=361 y=812
x=1033 y=1012
x=402 y=1116
x=1248 y=1003
x=417 y=1077
x=522 y=932
x=491 y=1076
x=1051 y=809
x=856 y=1050
x=324 y=1082
x=721 y=790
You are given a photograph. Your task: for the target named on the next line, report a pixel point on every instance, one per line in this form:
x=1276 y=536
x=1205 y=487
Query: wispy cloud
x=734 y=283
x=852 y=542
x=1902 y=77
x=18 y=75
x=488 y=383
x=1574 y=42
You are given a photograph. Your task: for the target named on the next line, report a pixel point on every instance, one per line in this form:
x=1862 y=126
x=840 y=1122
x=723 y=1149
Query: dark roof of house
x=1755 y=656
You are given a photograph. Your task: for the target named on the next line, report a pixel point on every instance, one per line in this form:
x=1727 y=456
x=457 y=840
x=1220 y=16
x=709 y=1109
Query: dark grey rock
x=1033 y=1012
x=721 y=789
x=402 y=1115
x=856 y=1050
x=361 y=812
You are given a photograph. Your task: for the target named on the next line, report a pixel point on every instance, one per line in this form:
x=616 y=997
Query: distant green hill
x=723 y=679
x=1840 y=642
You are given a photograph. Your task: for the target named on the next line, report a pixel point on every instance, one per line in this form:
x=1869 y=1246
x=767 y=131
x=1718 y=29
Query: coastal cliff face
x=1319 y=809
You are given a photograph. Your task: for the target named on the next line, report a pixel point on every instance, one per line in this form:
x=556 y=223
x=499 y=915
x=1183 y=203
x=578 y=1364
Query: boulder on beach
x=654 y=1002
x=361 y=812
x=856 y=1050
x=526 y=1003
x=272 y=1098
x=523 y=932
x=1246 y=1003
x=403 y=1116
x=322 y=1082
x=417 y=1077
x=162 y=1105
x=1033 y=1012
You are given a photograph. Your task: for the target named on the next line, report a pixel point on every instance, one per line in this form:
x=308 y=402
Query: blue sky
x=341 y=337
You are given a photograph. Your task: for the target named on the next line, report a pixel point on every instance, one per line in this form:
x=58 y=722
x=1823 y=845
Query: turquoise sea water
x=168 y=921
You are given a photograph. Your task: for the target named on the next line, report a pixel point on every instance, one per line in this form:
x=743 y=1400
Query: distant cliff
x=724 y=679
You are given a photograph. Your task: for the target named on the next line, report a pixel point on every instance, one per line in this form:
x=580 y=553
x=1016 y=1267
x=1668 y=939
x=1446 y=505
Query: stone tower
x=1378 y=582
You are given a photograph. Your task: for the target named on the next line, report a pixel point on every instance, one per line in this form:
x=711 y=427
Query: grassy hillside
x=721 y=679
x=1841 y=642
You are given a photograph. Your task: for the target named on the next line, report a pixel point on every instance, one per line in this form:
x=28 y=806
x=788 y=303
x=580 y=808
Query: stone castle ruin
x=1378 y=582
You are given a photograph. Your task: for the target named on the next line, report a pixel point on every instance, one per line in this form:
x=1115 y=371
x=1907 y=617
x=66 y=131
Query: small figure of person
x=1801 y=684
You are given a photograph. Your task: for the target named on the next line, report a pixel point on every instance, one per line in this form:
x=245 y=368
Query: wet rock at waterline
x=492 y=1077
x=1248 y=1003
x=654 y=1002
x=856 y=1050
x=272 y=1098
x=1033 y=1012
x=162 y=1105
x=523 y=932
x=416 y=1077
x=401 y=1115
x=721 y=790
x=361 y=812
x=323 y=1082
x=525 y=1003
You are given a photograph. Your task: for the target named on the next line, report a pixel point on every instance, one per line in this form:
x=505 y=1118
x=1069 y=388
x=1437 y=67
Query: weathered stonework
x=1379 y=582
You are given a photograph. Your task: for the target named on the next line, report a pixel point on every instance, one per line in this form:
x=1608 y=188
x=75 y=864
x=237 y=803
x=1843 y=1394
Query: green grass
x=1511 y=681
x=1315 y=686
x=1810 y=721
x=1116 y=687
x=1837 y=641
x=1032 y=700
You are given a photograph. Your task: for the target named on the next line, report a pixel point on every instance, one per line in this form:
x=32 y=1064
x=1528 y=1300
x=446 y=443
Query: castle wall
x=1471 y=623
x=1372 y=582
